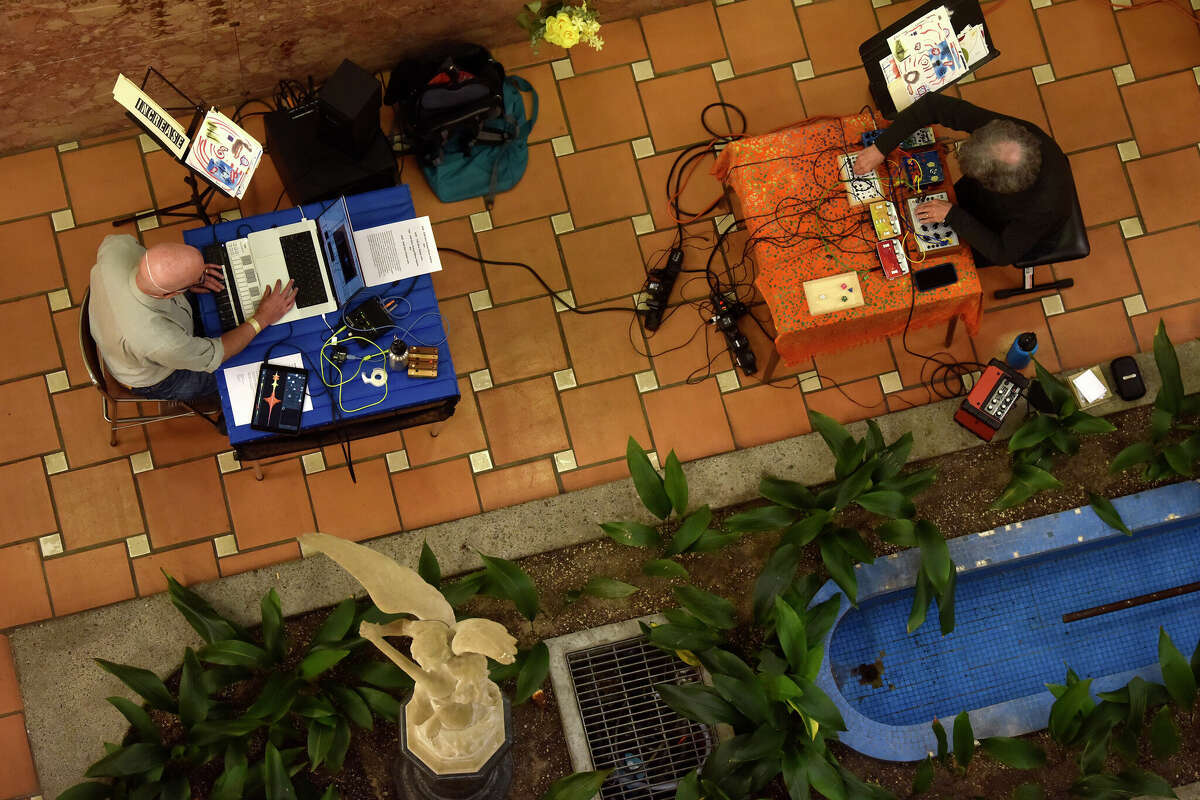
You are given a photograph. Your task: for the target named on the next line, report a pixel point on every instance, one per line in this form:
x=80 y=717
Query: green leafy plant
x=867 y=474
x=1010 y=751
x=1174 y=444
x=1045 y=437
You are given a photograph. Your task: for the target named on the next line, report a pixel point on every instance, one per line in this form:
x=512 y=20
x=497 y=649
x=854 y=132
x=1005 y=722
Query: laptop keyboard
x=304 y=268
x=215 y=254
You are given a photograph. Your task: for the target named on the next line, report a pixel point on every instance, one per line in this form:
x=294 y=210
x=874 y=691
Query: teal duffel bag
x=491 y=161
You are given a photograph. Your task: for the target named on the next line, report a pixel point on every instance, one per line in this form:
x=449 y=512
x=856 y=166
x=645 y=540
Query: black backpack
x=447 y=95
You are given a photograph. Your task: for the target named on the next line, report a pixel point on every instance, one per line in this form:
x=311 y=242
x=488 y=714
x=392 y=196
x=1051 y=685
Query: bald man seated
x=147 y=329
x=1016 y=191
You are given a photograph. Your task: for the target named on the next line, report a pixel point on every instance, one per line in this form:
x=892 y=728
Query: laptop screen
x=337 y=241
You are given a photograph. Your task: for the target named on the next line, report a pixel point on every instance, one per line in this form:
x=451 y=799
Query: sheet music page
x=242 y=384
x=397 y=250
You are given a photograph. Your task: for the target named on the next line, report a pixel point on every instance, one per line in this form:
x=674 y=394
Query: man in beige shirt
x=147 y=330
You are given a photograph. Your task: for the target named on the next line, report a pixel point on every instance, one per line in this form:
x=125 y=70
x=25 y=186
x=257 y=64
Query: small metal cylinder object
x=397 y=356
x=1022 y=350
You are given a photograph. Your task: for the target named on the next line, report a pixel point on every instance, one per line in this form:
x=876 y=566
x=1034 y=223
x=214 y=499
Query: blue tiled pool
x=1014 y=586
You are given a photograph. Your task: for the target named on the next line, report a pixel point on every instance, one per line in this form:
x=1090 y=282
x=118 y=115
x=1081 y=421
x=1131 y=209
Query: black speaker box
x=349 y=103
x=312 y=170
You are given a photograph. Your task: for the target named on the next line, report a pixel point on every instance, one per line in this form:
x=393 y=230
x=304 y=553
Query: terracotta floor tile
x=107 y=181
x=26 y=422
x=29 y=243
x=594 y=476
x=538 y=194
x=623 y=44
x=699 y=238
x=1158 y=40
x=196 y=563
x=833 y=31
x=762 y=346
x=425 y=201
x=96 y=505
x=602 y=346
x=10 y=692
x=760 y=34
x=699 y=191
x=1015 y=94
x=1007 y=277
x=673 y=104
x=17 y=775
x=520 y=54
x=270 y=510
x=1156 y=183
x=522 y=340
x=602 y=185
x=27 y=322
x=439 y=493
x=763 y=414
x=458 y=275
x=769 y=100
x=1161 y=259
x=1094 y=335
x=265 y=193
x=1182 y=323
x=256 y=559
x=1086 y=111
x=1104 y=275
x=1155 y=129
x=530 y=242
x=1015 y=33
x=1081 y=37
x=97 y=577
x=1103 y=188
x=855 y=401
x=671 y=49
x=38 y=175
x=354 y=511
x=79 y=246
x=873 y=358
x=911 y=398
x=364 y=449
x=602 y=107
x=169 y=188
x=23 y=594
x=602 y=417
x=85 y=432
x=551 y=120
x=458 y=436
x=604 y=262
x=1001 y=326
x=25 y=498
x=180 y=440
x=837 y=93
x=170 y=234
x=500 y=488
x=930 y=341
x=684 y=345
x=458 y=318
x=894 y=11
x=689 y=419
x=163 y=488
x=522 y=420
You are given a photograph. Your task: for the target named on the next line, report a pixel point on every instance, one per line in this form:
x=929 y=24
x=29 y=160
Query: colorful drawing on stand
x=224 y=153
x=924 y=57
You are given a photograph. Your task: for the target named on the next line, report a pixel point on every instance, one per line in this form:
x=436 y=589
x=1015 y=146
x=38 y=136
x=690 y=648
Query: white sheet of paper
x=1090 y=387
x=397 y=250
x=242 y=385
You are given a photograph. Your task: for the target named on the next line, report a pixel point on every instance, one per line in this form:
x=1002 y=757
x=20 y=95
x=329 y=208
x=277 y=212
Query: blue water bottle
x=1023 y=348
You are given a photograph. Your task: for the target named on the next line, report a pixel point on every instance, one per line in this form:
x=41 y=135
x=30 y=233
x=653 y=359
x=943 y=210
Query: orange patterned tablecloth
x=787 y=182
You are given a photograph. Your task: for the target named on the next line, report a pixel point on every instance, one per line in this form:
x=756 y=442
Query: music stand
x=963 y=13
x=199 y=199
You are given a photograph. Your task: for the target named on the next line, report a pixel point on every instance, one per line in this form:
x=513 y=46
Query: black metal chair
x=1071 y=244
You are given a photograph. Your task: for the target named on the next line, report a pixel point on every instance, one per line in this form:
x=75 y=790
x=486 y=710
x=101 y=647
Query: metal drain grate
x=627 y=725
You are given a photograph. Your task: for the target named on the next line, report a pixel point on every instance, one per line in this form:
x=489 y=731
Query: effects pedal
x=860 y=189
x=658 y=290
x=921 y=137
x=931 y=235
x=883 y=217
x=892 y=257
x=990 y=400
x=726 y=313
x=924 y=168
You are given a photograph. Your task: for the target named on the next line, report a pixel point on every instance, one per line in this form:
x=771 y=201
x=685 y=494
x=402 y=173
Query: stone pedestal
x=416 y=781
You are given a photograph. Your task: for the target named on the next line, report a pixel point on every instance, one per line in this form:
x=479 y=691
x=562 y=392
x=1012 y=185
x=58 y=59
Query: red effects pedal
x=991 y=399
x=892 y=257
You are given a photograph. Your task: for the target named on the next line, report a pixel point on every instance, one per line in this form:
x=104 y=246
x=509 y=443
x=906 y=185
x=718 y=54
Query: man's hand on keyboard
x=210 y=281
x=276 y=301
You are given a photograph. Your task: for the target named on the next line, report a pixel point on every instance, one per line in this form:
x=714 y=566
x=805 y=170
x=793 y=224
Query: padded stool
x=1071 y=244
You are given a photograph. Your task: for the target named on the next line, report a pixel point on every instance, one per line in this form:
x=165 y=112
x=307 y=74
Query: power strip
x=860 y=189
x=931 y=235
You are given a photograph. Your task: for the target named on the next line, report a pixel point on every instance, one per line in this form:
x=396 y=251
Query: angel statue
x=455 y=719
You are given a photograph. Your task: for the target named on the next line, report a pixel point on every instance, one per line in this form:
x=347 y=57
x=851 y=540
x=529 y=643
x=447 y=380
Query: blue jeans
x=182 y=385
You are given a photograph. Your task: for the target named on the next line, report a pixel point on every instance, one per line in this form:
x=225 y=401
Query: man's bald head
x=169 y=268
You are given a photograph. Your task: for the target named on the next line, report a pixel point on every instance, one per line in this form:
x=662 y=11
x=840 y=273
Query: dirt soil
x=968 y=481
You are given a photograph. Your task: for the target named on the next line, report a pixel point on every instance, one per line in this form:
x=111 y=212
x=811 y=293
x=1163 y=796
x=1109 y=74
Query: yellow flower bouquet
x=565 y=24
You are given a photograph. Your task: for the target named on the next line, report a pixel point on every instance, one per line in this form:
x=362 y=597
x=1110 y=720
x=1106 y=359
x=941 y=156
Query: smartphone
x=280 y=400
x=934 y=277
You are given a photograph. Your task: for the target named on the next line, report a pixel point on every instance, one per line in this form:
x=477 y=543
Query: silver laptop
x=289 y=252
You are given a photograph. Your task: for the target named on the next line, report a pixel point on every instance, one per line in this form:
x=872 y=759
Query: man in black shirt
x=1016 y=190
